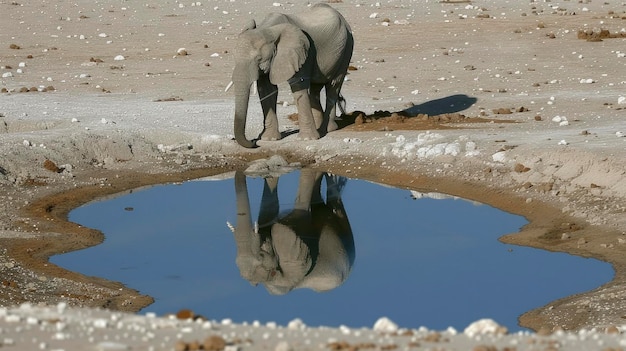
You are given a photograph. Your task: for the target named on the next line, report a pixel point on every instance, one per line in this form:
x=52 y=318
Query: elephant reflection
x=310 y=246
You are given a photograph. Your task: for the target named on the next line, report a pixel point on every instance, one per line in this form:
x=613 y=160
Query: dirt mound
x=387 y=121
x=598 y=35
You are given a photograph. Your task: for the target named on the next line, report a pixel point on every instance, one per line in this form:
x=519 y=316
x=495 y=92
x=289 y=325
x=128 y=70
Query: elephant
x=310 y=51
x=311 y=246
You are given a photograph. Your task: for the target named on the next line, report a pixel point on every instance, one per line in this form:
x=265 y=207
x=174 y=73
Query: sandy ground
x=97 y=99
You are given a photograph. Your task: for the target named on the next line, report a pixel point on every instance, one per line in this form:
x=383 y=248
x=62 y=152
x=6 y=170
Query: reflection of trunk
x=242 y=81
x=248 y=241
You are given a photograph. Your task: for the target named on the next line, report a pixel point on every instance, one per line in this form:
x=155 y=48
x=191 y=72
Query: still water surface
x=424 y=261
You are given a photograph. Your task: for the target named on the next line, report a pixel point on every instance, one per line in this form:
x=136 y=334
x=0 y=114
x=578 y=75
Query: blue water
x=420 y=262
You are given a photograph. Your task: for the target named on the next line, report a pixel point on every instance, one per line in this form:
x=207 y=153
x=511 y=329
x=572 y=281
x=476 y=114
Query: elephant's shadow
x=448 y=104
x=309 y=246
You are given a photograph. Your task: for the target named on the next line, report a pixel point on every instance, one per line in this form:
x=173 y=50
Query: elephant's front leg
x=269 y=202
x=316 y=107
x=308 y=131
x=268 y=95
x=308 y=189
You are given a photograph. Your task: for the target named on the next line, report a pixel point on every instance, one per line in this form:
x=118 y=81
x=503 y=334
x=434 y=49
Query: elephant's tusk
x=228 y=86
x=230 y=226
x=254 y=88
x=256 y=227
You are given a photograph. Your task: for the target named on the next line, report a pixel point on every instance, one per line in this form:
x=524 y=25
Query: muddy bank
x=549 y=228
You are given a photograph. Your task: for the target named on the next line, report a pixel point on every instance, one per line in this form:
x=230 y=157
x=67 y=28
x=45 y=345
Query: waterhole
x=328 y=250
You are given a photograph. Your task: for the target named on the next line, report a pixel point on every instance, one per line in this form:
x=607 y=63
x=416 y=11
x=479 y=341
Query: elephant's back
x=330 y=33
x=320 y=21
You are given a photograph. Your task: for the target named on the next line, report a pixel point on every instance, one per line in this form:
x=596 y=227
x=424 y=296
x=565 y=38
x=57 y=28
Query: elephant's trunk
x=246 y=236
x=244 y=230
x=241 y=111
x=242 y=83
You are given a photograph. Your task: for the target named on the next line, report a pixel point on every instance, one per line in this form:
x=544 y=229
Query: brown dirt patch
x=598 y=35
x=360 y=121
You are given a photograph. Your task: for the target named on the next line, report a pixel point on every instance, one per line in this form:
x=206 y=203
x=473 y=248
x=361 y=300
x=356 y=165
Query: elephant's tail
x=341 y=102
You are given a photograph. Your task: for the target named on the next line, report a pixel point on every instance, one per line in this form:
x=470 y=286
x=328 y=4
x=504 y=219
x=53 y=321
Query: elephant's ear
x=292 y=48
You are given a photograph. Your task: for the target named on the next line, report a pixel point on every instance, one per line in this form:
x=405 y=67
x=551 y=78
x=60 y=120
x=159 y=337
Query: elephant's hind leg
x=332 y=97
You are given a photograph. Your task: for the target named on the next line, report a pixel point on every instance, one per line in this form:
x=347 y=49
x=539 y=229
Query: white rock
x=283 y=346
x=12 y=318
x=60 y=336
x=563 y=142
x=564 y=123
x=296 y=324
x=619 y=134
x=558 y=119
x=100 y=323
x=587 y=81
x=61 y=306
x=26 y=143
x=499 y=156
x=621 y=100
x=385 y=325
x=484 y=326
x=7 y=75
x=102 y=35
x=452 y=149
x=119 y=58
x=22 y=64
x=110 y=345
x=352 y=140
x=103 y=120
x=374 y=15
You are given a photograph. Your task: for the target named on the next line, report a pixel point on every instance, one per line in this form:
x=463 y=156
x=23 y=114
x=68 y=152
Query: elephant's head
x=278 y=51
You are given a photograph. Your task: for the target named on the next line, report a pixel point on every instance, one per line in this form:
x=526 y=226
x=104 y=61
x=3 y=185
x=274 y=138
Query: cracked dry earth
x=498 y=103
